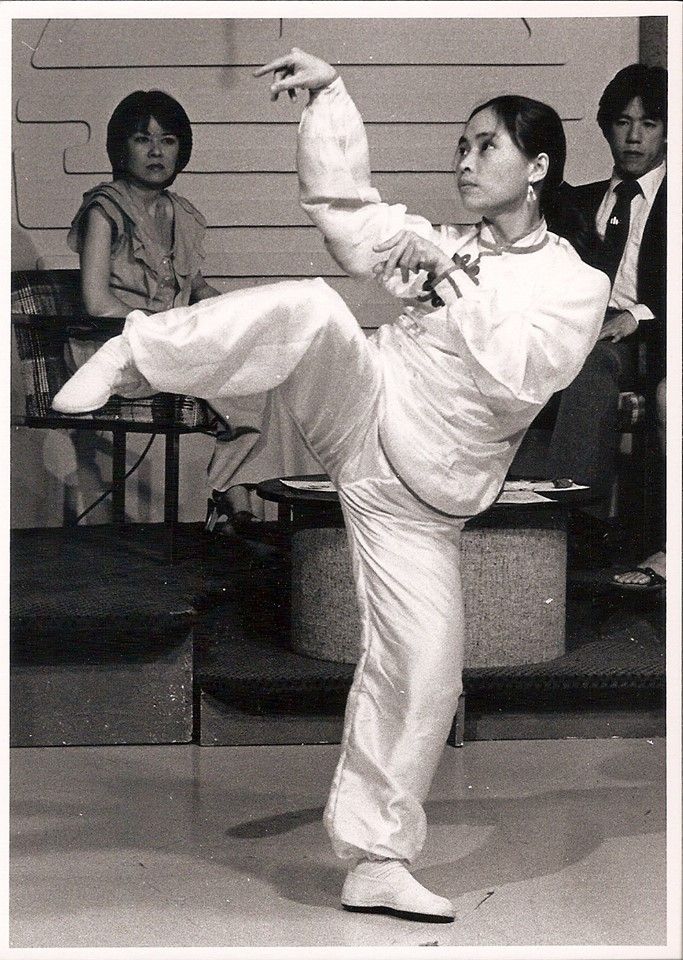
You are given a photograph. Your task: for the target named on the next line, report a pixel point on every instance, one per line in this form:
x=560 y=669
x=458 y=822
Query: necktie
x=616 y=233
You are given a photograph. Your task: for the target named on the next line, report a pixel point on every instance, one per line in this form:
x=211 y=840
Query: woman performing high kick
x=416 y=426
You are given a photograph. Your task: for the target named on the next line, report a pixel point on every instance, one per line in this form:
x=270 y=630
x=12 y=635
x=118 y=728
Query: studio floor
x=544 y=842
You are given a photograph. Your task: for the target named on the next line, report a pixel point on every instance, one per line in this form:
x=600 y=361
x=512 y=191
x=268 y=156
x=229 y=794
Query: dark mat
x=259 y=674
x=72 y=587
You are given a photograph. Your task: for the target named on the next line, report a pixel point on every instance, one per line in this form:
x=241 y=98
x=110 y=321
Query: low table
x=514 y=560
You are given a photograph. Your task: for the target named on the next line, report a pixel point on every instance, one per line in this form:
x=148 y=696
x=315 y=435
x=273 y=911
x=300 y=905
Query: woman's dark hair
x=637 y=80
x=534 y=128
x=133 y=114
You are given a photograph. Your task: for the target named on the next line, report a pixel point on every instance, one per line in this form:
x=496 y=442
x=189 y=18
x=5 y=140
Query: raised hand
x=297 y=70
x=410 y=252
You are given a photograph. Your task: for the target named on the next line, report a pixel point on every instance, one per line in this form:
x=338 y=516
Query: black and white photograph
x=343 y=506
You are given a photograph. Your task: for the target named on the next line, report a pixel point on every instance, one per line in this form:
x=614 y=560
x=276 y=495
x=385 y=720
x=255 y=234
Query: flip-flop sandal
x=655 y=581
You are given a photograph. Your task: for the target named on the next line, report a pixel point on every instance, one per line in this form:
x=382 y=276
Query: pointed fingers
x=394 y=258
x=278 y=64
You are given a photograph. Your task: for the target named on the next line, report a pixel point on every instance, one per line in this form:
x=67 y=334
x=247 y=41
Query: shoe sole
x=402 y=914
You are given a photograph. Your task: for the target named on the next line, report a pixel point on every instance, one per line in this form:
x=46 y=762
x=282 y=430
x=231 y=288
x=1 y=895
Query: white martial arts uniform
x=416 y=426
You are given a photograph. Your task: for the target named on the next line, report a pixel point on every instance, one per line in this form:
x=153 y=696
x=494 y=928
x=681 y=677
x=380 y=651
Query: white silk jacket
x=463 y=380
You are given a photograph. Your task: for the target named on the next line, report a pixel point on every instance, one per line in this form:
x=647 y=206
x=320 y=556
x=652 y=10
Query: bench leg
x=118 y=478
x=171 y=484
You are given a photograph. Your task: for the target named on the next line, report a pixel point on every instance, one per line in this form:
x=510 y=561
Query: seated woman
x=416 y=426
x=141 y=246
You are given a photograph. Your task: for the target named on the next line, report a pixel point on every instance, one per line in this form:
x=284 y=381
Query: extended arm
x=334 y=169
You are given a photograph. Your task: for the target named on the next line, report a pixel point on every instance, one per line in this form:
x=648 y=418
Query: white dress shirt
x=625 y=287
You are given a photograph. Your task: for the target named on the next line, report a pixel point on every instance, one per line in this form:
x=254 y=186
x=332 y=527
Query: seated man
x=622 y=230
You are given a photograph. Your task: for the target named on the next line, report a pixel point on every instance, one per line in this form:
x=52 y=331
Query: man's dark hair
x=637 y=80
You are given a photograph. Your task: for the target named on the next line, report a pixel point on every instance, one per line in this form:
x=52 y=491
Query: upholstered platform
x=611 y=684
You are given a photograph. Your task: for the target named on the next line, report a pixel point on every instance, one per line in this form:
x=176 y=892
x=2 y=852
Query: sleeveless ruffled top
x=142 y=273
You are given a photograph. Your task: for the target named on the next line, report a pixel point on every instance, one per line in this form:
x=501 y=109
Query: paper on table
x=531 y=491
x=540 y=486
x=521 y=496
x=514 y=491
x=320 y=486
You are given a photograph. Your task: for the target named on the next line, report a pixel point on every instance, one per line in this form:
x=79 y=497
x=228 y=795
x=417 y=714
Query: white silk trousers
x=300 y=338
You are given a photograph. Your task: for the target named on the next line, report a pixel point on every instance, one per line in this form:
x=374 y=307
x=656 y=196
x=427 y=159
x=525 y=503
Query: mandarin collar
x=533 y=239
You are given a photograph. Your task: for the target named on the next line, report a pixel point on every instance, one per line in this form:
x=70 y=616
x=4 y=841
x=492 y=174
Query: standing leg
x=302 y=340
x=404 y=694
x=409 y=677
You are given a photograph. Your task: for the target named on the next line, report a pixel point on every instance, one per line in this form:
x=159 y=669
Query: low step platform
x=101 y=646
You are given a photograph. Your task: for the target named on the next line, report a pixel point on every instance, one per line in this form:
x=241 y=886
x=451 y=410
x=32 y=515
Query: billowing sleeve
x=526 y=347
x=335 y=187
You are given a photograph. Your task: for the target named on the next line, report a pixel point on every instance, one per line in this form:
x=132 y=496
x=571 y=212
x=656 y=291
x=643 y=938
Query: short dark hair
x=636 y=80
x=534 y=128
x=133 y=114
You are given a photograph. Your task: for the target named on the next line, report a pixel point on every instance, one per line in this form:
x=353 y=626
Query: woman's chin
x=471 y=205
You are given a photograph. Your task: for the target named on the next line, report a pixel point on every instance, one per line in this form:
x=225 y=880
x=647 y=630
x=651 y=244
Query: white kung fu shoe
x=385 y=886
x=110 y=370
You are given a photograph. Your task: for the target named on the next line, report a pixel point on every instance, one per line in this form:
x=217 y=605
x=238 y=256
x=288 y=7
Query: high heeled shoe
x=223 y=519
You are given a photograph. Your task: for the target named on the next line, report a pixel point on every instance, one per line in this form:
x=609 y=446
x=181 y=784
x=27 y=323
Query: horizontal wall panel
x=242 y=147
x=47 y=198
x=51 y=200
x=426 y=40
x=246 y=147
x=396 y=94
x=218 y=42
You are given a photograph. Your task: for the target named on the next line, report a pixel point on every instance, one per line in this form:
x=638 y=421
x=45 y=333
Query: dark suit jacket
x=575 y=220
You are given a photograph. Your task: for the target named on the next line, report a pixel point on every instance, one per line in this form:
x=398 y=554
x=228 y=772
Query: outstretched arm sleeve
x=335 y=184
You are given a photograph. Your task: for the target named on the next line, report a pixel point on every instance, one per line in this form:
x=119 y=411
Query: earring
x=530 y=195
